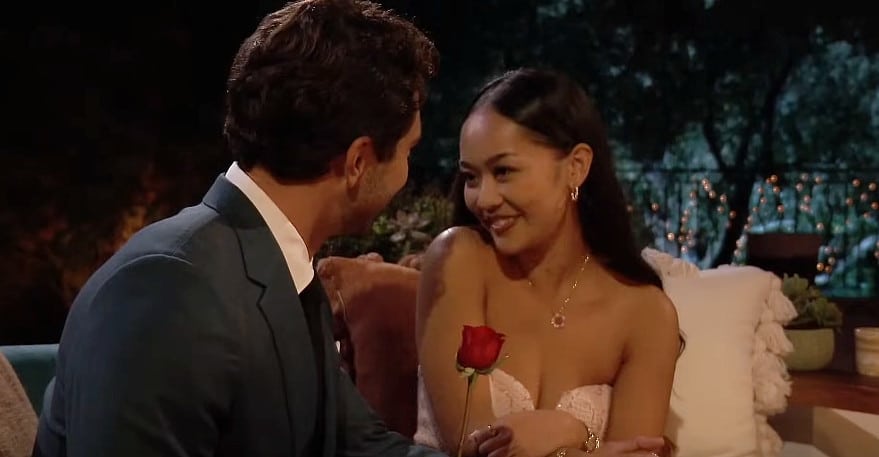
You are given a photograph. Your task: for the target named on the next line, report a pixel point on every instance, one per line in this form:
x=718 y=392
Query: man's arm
x=361 y=433
x=152 y=364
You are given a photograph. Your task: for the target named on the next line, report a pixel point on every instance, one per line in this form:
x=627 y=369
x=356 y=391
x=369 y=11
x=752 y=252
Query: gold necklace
x=558 y=318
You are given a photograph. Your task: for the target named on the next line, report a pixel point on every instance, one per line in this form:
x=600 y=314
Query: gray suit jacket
x=192 y=341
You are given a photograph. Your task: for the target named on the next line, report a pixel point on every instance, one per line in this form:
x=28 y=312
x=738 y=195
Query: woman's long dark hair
x=559 y=111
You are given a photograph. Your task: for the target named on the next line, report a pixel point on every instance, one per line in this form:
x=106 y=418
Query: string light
x=803 y=205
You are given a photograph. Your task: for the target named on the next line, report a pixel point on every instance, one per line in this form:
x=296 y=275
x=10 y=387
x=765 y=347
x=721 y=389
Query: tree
x=725 y=83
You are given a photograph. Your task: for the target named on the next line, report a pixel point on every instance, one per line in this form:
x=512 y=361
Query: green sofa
x=35 y=366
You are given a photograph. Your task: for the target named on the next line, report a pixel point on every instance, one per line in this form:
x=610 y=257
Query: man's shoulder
x=197 y=238
x=184 y=265
x=182 y=231
x=197 y=235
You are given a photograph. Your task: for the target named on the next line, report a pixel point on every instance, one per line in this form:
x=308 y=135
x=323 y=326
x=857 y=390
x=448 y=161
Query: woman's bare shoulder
x=452 y=285
x=458 y=245
x=647 y=306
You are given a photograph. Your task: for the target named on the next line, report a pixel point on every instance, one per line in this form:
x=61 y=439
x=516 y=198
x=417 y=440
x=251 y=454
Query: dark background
x=112 y=113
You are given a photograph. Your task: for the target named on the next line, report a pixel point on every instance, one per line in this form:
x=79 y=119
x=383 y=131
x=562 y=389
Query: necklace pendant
x=558 y=320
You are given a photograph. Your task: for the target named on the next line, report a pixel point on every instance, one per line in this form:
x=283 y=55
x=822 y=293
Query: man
x=207 y=334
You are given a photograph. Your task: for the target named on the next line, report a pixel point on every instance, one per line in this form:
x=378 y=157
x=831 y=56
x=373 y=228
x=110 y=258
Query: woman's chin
x=507 y=246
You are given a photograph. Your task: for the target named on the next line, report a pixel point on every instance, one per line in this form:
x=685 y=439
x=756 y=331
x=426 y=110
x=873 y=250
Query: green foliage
x=738 y=87
x=741 y=88
x=814 y=310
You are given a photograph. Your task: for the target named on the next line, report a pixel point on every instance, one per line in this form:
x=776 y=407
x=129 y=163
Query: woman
x=542 y=251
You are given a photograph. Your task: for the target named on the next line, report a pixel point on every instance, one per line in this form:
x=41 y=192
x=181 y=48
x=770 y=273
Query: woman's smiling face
x=516 y=186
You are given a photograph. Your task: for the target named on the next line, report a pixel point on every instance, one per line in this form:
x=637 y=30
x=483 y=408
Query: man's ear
x=359 y=156
x=581 y=162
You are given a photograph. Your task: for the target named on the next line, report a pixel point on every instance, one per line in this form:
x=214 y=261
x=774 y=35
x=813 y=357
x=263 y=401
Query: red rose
x=480 y=348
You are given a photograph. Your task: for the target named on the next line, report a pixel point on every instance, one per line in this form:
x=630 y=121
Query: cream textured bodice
x=590 y=404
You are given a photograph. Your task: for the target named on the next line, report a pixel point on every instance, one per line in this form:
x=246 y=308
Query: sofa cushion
x=374 y=309
x=35 y=366
x=18 y=421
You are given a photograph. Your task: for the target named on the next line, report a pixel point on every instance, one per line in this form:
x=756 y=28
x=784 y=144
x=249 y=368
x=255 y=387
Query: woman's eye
x=503 y=172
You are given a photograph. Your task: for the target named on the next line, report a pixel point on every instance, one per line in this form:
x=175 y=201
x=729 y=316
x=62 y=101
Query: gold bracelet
x=592 y=442
x=560 y=452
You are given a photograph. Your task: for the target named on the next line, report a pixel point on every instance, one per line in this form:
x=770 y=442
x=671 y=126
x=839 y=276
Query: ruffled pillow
x=731 y=375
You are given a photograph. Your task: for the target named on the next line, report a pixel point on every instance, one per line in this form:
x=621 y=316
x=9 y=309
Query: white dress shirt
x=291 y=243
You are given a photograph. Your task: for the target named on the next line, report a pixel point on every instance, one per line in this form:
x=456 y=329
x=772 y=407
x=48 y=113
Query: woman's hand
x=641 y=446
x=371 y=256
x=411 y=261
x=538 y=433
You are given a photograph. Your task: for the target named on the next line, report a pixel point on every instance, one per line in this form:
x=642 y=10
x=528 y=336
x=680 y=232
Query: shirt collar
x=288 y=238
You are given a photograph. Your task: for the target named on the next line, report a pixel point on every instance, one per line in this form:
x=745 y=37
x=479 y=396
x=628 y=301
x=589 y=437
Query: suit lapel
x=279 y=305
x=282 y=310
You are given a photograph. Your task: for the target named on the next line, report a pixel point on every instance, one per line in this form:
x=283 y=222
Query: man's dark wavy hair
x=316 y=75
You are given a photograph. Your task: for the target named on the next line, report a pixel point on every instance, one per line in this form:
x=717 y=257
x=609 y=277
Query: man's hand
x=539 y=432
x=490 y=441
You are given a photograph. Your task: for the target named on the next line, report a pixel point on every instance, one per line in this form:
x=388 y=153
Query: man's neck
x=304 y=205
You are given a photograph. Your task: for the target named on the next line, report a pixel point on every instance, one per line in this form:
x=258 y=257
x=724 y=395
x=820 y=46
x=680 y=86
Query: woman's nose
x=488 y=198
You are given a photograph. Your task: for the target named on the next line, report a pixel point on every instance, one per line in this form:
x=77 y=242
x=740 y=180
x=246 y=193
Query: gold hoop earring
x=575 y=194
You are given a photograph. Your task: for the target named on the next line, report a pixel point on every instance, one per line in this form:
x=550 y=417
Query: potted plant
x=812 y=331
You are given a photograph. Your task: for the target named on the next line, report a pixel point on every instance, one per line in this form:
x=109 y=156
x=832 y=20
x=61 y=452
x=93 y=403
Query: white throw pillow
x=730 y=375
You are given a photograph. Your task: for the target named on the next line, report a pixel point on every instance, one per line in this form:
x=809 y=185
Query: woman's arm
x=451 y=294
x=640 y=446
x=642 y=388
